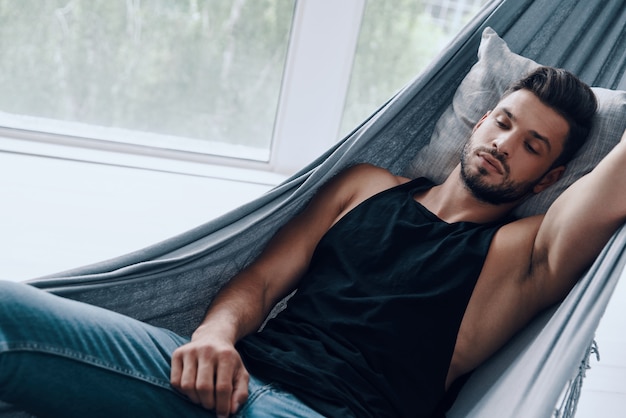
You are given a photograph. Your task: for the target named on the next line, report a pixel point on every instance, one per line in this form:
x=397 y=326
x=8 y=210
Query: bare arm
x=534 y=262
x=579 y=224
x=208 y=369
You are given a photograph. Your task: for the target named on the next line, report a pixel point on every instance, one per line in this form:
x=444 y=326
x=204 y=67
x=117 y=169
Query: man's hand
x=209 y=371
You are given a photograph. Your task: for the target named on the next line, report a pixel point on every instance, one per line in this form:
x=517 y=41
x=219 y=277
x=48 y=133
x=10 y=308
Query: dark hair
x=568 y=96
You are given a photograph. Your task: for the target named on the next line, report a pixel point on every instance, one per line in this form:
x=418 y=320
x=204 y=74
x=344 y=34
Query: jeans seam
x=81 y=357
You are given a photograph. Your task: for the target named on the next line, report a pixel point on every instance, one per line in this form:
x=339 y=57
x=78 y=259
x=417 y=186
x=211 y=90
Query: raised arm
x=579 y=224
x=208 y=369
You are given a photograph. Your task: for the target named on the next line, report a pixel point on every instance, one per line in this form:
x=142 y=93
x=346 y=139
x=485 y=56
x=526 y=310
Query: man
x=403 y=287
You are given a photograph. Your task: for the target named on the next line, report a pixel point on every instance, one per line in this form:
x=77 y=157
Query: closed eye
x=531 y=149
x=501 y=124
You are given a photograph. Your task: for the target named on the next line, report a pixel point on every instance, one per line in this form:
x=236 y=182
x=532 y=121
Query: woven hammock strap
x=571 y=396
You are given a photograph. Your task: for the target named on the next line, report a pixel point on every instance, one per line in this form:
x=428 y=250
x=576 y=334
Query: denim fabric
x=62 y=358
x=268 y=400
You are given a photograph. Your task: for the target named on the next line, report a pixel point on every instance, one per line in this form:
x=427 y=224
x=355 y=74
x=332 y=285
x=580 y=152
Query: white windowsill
x=123 y=155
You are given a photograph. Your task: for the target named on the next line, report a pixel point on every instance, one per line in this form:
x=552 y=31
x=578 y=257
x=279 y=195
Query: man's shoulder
x=362 y=181
x=514 y=229
x=365 y=174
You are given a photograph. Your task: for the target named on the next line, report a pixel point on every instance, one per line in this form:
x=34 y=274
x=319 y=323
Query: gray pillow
x=480 y=90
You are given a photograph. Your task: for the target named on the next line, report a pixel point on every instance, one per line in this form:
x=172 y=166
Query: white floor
x=56 y=215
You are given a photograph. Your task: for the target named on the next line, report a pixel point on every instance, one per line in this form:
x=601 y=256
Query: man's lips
x=492 y=162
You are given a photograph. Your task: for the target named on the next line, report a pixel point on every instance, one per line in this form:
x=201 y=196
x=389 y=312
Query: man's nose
x=505 y=143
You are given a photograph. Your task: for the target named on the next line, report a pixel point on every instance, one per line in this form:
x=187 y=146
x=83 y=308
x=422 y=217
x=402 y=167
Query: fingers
x=202 y=382
x=215 y=379
x=228 y=384
x=184 y=374
x=176 y=372
x=240 y=389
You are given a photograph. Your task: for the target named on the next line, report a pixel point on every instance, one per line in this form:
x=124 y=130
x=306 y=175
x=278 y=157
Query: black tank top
x=372 y=328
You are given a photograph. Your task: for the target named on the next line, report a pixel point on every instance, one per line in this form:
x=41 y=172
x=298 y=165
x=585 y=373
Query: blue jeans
x=62 y=358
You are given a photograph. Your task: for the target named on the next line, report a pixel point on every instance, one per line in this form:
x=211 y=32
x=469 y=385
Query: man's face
x=512 y=148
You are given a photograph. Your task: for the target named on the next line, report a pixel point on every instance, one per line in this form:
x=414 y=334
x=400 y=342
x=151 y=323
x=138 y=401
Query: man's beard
x=507 y=191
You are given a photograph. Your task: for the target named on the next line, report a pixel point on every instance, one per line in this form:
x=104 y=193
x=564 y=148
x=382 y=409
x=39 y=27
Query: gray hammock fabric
x=171 y=283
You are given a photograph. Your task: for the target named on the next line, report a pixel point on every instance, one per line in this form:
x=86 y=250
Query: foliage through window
x=201 y=69
x=206 y=75
x=397 y=40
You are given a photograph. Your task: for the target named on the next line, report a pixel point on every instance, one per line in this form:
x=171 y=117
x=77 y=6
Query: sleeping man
x=403 y=287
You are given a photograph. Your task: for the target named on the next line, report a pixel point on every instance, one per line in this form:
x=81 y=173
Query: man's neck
x=452 y=201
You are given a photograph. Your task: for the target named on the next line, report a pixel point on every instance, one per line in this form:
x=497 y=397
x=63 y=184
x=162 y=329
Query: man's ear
x=549 y=178
x=481 y=120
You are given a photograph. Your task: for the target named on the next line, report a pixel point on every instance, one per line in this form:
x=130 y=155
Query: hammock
x=170 y=283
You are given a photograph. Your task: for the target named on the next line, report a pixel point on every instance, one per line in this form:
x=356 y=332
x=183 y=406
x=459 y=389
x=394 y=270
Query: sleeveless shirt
x=372 y=328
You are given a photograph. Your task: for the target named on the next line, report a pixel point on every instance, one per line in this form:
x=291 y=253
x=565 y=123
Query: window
x=451 y=15
x=397 y=40
x=267 y=84
x=197 y=75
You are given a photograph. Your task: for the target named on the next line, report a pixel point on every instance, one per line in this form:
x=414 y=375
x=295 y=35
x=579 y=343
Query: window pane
x=397 y=40
x=197 y=72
